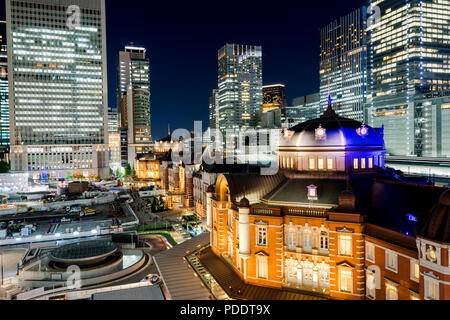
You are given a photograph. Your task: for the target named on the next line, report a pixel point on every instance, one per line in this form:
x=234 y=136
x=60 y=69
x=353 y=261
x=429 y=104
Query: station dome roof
x=331 y=130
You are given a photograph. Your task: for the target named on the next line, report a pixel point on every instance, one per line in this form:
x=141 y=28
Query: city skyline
x=180 y=47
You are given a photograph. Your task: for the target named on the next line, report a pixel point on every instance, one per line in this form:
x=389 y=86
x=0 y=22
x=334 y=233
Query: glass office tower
x=409 y=75
x=239 y=99
x=303 y=109
x=4 y=101
x=133 y=69
x=213 y=109
x=58 y=87
x=343 y=63
x=133 y=72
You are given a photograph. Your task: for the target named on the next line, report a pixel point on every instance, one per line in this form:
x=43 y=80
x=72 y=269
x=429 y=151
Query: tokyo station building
x=334 y=222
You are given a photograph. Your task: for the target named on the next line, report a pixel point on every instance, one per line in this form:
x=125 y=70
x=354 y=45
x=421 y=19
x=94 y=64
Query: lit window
x=292 y=237
x=431 y=289
x=415 y=270
x=370 y=252
x=330 y=164
x=312 y=164
x=262 y=266
x=363 y=163
x=371 y=284
x=355 y=163
x=391 y=260
x=262 y=237
x=321 y=165
x=391 y=291
x=370 y=163
x=345 y=245
x=345 y=280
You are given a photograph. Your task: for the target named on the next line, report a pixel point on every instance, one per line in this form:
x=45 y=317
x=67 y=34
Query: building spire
x=329 y=113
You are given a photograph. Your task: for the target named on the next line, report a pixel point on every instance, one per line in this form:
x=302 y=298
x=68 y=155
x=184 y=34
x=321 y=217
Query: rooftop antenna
x=330 y=101
x=329 y=112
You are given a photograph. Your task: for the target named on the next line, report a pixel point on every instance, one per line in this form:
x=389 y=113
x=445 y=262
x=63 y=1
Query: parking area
x=101 y=216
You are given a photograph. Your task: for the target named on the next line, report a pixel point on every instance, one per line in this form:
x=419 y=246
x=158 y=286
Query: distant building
x=303 y=109
x=57 y=74
x=213 y=109
x=408 y=77
x=4 y=94
x=239 y=98
x=343 y=64
x=274 y=98
x=134 y=102
x=138 y=134
x=114 y=139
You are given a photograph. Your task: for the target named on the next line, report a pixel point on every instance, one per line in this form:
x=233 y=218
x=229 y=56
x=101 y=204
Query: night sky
x=183 y=37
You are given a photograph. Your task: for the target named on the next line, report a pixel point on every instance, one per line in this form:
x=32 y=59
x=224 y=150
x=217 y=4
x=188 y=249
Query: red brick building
x=333 y=221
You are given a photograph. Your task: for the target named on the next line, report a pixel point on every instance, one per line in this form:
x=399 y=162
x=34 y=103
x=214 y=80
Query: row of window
x=327 y=164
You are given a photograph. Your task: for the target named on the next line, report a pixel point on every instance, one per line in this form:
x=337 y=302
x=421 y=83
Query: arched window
x=292 y=239
x=307 y=240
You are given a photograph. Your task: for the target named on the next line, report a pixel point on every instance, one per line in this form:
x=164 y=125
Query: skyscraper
x=133 y=77
x=4 y=101
x=239 y=101
x=303 y=109
x=213 y=109
x=58 y=87
x=274 y=105
x=409 y=76
x=343 y=61
x=138 y=123
x=114 y=139
x=133 y=69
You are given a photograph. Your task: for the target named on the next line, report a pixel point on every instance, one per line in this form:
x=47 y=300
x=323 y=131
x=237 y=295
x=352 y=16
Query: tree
x=4 y=167
x=128 y=170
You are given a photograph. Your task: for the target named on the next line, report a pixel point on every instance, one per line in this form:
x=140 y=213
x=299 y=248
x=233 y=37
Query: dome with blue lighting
x=330 y=130
x=331 y=143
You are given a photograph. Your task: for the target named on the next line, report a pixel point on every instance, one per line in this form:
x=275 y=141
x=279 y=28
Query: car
x=66 y=219
x=74 y=209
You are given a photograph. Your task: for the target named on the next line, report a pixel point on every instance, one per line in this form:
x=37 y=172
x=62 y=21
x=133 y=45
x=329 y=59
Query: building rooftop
x=180 y=280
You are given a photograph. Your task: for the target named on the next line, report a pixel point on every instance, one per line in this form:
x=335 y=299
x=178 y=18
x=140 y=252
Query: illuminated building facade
x=4 y=92
x=343 y=63
x=239 y=99
x=213 y=109
x=114 y=139
x=57 y=74
x=138 y=123
x=274 y=97
x=133 y=100
x=148 y=167
x=304 y=108
x=334 y=221
x=133 y=69
x=409 y=55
